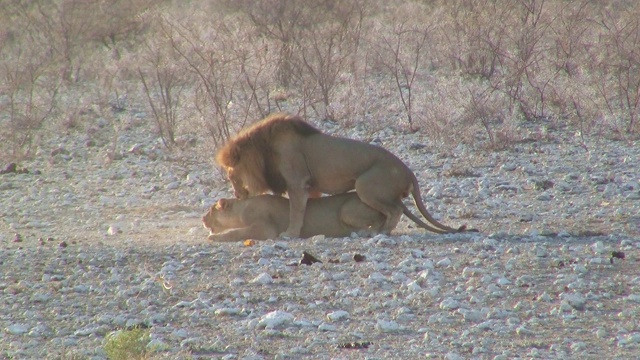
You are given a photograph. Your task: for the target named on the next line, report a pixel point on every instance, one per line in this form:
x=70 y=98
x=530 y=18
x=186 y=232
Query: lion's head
x=250 y=160
x=218 y=217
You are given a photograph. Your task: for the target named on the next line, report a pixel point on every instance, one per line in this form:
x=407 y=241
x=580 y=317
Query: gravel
x=94 y=241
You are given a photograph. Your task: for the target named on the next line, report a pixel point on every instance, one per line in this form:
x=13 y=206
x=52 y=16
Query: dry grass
x=459 y=71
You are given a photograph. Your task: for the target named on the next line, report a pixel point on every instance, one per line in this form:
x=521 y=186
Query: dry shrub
x=478 y=72
x=315 y=43
x=28 y=98
x=52 y=53
x=564 y=61
x=229 y=68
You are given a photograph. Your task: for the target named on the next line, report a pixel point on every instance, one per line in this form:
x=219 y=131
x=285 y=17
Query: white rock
x=387 y=326
x=444 y=262
x=449 y=304
x=227 y=311
x=580 y=269
x=596 y=261
x=17 y=329
x=471 y=271
x=578 y=346
x=263 y=279
x=601 y=333
x=635 y=298
x=540 y=251
x=327 y=327
x=338 y=315
x=377 y=277
x=173 y=185
x=472 y=315
x=545 y=297
x=576 y=301
x=414 y=286
x=179 y=333
x=275 y=319
x=113 y=230
x=523 y=331
x=598 y=247
x=40 y=297
x=453 y=356
x=236 y=282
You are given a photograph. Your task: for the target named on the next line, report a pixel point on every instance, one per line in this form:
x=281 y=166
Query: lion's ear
x=222 y=204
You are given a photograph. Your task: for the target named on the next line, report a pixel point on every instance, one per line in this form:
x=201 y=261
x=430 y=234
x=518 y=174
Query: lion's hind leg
x=361 y=217
x=378 y=189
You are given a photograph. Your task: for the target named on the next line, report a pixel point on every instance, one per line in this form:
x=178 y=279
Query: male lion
x=283 y=153
x=266 y=216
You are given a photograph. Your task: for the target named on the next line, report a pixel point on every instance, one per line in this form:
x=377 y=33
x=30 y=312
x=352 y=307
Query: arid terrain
x=92 y=244
x=520 y=119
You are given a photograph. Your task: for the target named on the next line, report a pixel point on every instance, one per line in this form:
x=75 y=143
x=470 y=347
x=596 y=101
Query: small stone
x=453 y=356
x=545 y=297
x=449 y=304
x=17 y=329
x=62 y=244
x=227 y=311
x=275 y=319
x=338 y=315
x=522 y=331
x=377 y=277
x=598 y=247
x=113 y=230
x=601 y=333
x=576 y=301
x=414 y=286
x=540 y=251
x=634 y=298
x=444 y=262
x=173 y=185
x=579 y=268
x=327 y=327
x=471 y=315
x=387 y=326
x=179 y=333
x=263 y=279
x=137 y=149
x=578 y=346
x=308 y=259
x=359 y=258
x=509 y=167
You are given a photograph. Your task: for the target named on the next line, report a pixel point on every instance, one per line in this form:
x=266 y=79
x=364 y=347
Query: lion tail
x=419 y=221
x=417 y=198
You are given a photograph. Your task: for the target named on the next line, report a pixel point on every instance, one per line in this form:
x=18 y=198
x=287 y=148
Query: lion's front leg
x=295 y=171
x=256 y=231
x=297 y=206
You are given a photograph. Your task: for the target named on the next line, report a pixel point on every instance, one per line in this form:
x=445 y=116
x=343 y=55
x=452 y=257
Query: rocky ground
x=95 y=238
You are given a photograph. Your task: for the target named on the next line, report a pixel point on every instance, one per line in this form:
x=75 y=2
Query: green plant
x=127 y=344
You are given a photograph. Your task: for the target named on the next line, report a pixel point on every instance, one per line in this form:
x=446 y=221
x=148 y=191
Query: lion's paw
x=215 y=238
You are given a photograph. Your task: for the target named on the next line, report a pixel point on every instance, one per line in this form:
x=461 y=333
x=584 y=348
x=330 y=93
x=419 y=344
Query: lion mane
x=252 y=150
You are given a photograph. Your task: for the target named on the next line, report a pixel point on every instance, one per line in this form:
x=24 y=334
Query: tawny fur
x=266 y=216
x=283 y=153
